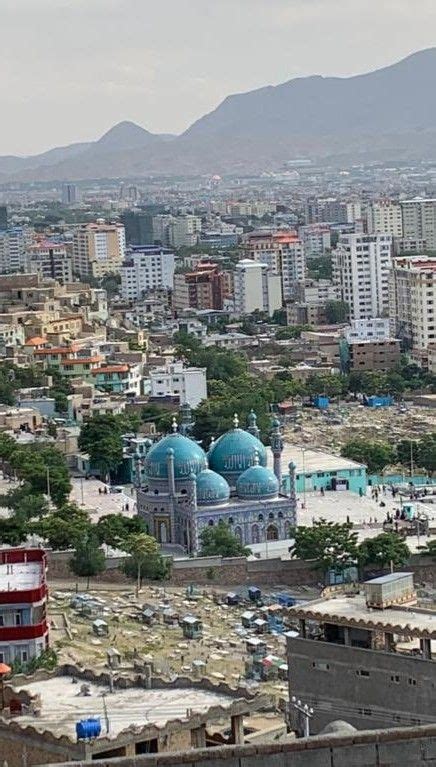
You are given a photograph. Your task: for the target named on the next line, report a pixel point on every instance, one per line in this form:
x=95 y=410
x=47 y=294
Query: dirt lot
x=340 y=423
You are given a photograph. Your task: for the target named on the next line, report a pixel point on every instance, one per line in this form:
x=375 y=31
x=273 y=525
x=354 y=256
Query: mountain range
x=387 y=114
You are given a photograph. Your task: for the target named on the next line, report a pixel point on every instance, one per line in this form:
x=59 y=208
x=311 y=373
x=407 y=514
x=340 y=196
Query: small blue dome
x=257 y=482
x=188 y=457
x=234 y=452
x=211 y=488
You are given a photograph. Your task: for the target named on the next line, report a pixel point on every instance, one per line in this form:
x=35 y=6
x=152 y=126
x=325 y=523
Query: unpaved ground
x=340 y=423
x=222 y=648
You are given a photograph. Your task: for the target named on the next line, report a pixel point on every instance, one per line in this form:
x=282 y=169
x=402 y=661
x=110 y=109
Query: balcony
x=16 y=633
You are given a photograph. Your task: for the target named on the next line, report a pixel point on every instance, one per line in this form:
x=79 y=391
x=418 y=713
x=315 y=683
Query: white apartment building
x=419 y=220
x=13 y=244
x=50 y=260
x=385 y=217
x=147 y=268
x=373 y=329
x=187 y=384
x=412 y=304
x=361 y=265
x=256 y=287
x=98 y=248
x=184 y=231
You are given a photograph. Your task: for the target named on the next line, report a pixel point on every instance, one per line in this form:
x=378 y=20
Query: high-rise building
x=70 y=194
x=283 y=253
x=146 y=268
x=256 y=287
x=3 y=218
x=98 y=248
x=13 y=244
x=361 y=265
x=139 y=227
x=50 y=260
x=184 y=231
x=412 y=303
x=202 y=288
x=419 y=220
x=384 y=217
x=326 y=209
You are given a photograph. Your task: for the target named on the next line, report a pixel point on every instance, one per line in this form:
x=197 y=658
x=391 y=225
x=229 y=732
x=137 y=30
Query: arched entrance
x=163 y=533
x=238 y=532
x=255 y=535
x=272 y=534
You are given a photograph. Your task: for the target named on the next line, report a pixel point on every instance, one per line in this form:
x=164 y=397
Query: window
x=395 y=678
x=412 y=681
x=320 y=665
x=362 y=672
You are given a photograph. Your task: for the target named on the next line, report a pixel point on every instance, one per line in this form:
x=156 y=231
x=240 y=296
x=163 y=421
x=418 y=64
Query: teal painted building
x=316 y=469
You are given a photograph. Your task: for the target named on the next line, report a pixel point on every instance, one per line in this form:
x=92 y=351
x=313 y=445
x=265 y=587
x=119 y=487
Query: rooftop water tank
x=88 y=728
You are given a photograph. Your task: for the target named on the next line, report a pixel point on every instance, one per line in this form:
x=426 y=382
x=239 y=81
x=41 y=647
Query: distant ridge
x=388 y=113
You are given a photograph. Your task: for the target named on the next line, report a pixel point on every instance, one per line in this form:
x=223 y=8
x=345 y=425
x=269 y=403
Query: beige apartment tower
x=98 y=248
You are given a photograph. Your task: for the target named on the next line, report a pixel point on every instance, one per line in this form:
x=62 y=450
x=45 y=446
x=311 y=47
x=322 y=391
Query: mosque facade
x=186 y=489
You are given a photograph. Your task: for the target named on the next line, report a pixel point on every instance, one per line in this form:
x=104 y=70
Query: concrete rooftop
x=63 y=706
x=352 y=611
x=20 y=576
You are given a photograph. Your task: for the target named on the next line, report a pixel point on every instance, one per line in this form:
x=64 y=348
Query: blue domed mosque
x=186 y=489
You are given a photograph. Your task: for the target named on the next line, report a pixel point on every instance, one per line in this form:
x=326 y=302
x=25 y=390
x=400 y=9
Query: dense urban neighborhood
x=218 y=435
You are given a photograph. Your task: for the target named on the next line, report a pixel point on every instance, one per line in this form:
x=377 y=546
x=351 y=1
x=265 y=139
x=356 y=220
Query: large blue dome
x=188 y=457
x=234 y=452
x=211 y=488
x=257 y=482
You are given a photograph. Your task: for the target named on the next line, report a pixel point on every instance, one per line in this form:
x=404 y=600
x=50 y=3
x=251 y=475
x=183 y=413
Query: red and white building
x=24 y=631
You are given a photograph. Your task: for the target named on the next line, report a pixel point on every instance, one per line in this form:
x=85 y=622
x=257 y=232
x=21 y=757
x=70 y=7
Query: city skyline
x=163 y=67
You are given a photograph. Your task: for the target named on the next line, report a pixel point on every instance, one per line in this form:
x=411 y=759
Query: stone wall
x=410 y=747
x=235 y=571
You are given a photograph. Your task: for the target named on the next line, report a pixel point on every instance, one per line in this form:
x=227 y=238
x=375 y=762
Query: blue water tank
x=88 y=728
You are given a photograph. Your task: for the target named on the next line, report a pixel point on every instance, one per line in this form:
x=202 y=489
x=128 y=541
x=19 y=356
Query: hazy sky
x=70 y=69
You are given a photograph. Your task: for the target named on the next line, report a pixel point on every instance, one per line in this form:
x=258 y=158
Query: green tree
x=24 y=503
x=101 y=438
x=333 y=545
x=116 y=529
x=145 y=559
x=382 y=550
x=13 y=531
x=329 y=385
x=426 y=452
x=337 y=312
x=279 y=317
x=88 y=559
x=219 y=540
x=406 y=449
x=376 y=455
x=320 y=268
x=291 y=332
x=63 y=528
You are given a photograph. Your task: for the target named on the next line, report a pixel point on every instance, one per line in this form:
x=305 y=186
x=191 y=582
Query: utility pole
x=48 y=486
x=411 y=460
x=305 y=715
